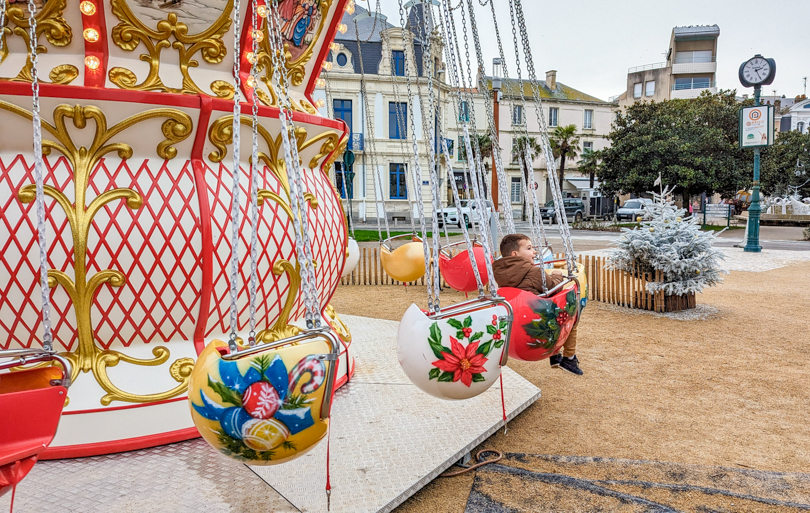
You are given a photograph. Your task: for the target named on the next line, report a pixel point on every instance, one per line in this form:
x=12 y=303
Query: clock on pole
x=756 y=72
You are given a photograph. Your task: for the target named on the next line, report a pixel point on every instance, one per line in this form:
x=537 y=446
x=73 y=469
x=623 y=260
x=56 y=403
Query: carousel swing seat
x=543 y=322
x=352 y=257
x=456 y=353
x=253 y=405
x=31 y=402
x=457 y=270
x=405 y=263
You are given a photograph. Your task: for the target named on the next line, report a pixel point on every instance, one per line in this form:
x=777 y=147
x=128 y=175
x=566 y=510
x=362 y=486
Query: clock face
x=756 y=70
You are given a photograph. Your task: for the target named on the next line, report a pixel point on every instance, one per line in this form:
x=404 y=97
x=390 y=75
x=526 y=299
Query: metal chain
x=565 y=233
x=417 y=171
x=47 y=336
x=371 y=145
x=293 y=162
x=235 y=172
x=2 y=23
x=254 y=178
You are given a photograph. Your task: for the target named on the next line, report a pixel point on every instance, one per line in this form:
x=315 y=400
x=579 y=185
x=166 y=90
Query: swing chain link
x=47 y=338
x=254 y=179
x=235 y=188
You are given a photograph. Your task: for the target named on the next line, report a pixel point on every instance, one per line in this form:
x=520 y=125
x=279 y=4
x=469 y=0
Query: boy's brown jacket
x=514 y=271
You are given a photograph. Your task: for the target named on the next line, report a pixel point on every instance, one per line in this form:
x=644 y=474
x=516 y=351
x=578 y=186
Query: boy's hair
x=511 y=243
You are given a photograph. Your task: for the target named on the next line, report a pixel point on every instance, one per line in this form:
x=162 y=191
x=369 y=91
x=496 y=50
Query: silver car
x=633 y=209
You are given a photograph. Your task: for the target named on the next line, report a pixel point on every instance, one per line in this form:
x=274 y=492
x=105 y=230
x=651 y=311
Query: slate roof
x=509 y=87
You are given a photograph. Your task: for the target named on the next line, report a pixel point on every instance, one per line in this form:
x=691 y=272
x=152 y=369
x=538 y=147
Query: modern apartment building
x=689 y=69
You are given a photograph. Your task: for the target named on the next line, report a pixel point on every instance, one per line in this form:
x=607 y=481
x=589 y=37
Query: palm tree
x=564 y=144
x=485 y=146
x=519 y=146
x=589 y=164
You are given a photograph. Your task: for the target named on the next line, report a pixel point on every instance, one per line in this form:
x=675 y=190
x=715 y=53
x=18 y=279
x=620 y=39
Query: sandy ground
x=728 y=389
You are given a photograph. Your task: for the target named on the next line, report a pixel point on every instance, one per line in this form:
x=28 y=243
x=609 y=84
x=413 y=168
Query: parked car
x=451 y=215
x=574 y=210
x=633 y=209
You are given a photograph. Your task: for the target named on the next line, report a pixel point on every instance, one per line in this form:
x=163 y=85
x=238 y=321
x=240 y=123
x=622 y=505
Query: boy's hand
x=557 y=273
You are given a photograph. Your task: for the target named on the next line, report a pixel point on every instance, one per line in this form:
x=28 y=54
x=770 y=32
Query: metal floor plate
x=389 y=439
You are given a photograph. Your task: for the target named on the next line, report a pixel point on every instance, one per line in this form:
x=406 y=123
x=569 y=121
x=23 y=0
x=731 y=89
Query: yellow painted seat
x=405 y=263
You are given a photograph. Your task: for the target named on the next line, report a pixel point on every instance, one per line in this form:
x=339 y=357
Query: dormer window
x=398 y=63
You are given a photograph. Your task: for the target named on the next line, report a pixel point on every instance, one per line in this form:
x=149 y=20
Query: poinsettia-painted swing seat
x=543 y=322
x=458 y=352
x=269 y=403
x=405 y=263
x=31 y=402
x=458 y=271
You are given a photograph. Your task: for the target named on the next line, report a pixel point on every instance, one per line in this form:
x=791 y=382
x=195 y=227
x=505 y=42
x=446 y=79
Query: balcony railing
x=645 y=67
x=694 y=85
x=694 y=59
x=356 y=142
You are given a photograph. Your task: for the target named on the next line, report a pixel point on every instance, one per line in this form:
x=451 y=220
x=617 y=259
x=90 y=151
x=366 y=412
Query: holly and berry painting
x=541 y=325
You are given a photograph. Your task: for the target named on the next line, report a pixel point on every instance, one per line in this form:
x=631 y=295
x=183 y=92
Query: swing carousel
x=178 y=224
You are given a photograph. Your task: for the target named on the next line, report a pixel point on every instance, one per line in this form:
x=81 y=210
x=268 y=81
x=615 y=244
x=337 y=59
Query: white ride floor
x=389 y=439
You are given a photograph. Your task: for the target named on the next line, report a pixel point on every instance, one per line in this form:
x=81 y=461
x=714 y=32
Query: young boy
x=515 y=269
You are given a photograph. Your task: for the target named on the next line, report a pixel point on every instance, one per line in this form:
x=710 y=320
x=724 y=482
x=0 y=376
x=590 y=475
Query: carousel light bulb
x=320 y=103
x=251 y=57
x=251 y=82
x=258 y=35
x=327 y=66
x=87 y=8
x=334 y=47
x=320 y=83
x=92 y=62
x=90 y=35
x=349 y=7
x=262 y=11
x=342 y=28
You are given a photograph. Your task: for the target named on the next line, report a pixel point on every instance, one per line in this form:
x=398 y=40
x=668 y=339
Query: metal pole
x=495 y=112
x=754 y=211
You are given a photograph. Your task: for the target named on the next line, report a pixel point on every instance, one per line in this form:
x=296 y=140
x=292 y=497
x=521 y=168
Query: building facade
x=385 y=145
x=689 y=69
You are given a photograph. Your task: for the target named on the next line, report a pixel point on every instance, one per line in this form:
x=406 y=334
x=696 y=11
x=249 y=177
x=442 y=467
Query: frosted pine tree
x=672 y=243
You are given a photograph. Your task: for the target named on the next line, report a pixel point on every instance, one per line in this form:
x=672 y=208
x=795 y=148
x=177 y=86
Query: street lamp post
x=496 y=88
x=755 y=210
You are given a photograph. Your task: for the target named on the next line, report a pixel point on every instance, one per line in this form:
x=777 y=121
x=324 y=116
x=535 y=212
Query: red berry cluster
x=467 y=332
x=563 y=317
x=497 y=335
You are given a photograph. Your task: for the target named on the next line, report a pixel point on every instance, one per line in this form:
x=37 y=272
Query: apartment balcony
x=692 y=90
x=694 y=65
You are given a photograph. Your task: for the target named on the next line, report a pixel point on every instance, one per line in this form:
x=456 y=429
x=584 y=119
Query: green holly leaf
x=476 y=336
x=498 y=343
x=502 y=325
x=434 y=373
x=459 y=335
x=468 y=321
x=484 y=349
x=478 y=377
x=455 y=323
x=435 y=333
x=227 y=395
x=492 y=329
x=446 y=377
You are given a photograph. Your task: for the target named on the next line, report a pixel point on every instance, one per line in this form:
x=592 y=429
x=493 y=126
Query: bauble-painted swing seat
x=352 y=257
x=457 y=353
x=458 y=272
x=542 y=323
x=31 y=402
x=269 y=403
x=405 y=263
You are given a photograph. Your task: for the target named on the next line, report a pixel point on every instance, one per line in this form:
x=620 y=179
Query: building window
x=553 y=112
x=516 y=154
x=694 y=57
x=462 y=149
x=342 y=59
x=800 y=127
x=587 y=122
x=650 y=88
x=517 y=115
x=637 y=90
x=464 y=112
x=342 y=181
x=398 y=184
x=516 y=191
x=398 y=63
x=587 y=146
x=692 y=83
x=343 y=110
x=397 y=113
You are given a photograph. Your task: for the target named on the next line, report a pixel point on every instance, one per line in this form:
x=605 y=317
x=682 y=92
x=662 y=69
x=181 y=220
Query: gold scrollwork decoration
x=51 y=24
x=338 y=325
x=131 y=33
x=81 y=289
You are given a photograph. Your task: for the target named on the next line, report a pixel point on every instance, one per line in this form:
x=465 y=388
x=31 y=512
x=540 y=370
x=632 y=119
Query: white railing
x=694 y=85
x=645 y=67
x=694 y=59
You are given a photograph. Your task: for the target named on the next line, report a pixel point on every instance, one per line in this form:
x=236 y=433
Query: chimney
x=551 y=79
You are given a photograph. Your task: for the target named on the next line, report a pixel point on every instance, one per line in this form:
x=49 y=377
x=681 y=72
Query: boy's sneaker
x=555 y=360
x=571 y=365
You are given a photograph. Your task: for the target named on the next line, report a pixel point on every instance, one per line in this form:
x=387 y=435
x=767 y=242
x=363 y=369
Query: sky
x=592 y=43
